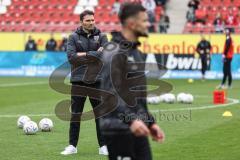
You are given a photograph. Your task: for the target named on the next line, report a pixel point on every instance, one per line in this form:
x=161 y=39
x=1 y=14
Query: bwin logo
x=123 y=158
x=183 y=63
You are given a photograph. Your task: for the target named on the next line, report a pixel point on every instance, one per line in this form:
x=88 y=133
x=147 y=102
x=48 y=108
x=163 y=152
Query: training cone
x=227 y=114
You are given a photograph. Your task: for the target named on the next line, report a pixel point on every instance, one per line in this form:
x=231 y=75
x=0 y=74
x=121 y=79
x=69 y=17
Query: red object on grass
x=219 y=97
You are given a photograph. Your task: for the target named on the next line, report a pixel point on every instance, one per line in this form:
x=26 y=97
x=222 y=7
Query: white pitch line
x=234 y=101
x=30 y=115
x=22 y=84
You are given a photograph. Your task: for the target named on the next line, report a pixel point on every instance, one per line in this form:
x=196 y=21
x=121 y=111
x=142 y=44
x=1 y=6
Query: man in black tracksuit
x=126 y=128
x=83 y=45
x=203 y=49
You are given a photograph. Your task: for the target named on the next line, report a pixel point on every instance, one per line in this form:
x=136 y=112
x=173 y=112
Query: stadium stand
x=206 y=13
x=56 y=15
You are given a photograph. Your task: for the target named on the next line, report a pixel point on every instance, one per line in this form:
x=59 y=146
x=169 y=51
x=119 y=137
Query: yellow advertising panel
x=17 y=41
x=184 y=44
x=155 y=43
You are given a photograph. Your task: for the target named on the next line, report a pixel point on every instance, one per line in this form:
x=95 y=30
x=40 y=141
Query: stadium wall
x=16 y=41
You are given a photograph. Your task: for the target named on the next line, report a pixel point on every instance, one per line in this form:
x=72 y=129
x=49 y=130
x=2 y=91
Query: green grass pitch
x=197 y=134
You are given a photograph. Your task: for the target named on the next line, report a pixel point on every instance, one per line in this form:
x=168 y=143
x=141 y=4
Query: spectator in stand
x=63 y=45
x=30 y=45
x=150 y=6
x=231 y=21
x=164 y=23
x=191 y=15
x=152 y=21
x=51 y=44
x=160 y=2
x=193 y=4
x=219 y=24
x=116 y=7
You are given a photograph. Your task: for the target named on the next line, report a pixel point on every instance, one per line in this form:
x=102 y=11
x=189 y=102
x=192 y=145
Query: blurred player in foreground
x=227 y=59
x=127 y=127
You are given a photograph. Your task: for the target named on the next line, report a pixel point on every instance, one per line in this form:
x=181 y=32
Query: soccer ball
x=181 y=97
x=153 y=100
x=46 y=124
x=185 y=98
x=149 y=100
x=22 y=120
x=169 y=98
x=161 y=98
x=30 y=128
x=189 y=99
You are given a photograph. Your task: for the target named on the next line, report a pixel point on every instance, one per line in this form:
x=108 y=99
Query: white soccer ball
x=149 y=100
x=46 y=125
x=188 y=99
x=161 y=98
x=22 y=120
x=181 y=97
x=169 y=98
x=30 y=128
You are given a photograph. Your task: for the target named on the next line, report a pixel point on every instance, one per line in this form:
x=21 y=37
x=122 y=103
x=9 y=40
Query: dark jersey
x=204 y=47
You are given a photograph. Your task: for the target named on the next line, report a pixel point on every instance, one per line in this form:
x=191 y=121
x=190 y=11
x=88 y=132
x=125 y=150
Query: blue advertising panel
x=30 y=63
x=179 y=66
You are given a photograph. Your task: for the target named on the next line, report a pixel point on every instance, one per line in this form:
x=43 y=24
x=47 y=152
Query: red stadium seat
x=47 y=15
x=188 y=28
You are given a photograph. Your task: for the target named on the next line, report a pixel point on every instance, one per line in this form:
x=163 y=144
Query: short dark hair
x=130 y=9
x=84 y=13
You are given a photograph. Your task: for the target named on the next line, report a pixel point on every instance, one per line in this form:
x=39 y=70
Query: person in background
x=203 y=49
x=51 y=44
x=150 y=6
x=193 y=4
x=116 y=7
x=164 y=23
x=160 y=2
x=227 y=59
x=231 y=21
x=63 y=45
x=30 y=45
x=219 y=24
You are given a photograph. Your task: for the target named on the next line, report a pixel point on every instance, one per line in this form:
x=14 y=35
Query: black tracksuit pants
x=204 y=60
x=77 y=108
x=227 y=73
x=128 y=147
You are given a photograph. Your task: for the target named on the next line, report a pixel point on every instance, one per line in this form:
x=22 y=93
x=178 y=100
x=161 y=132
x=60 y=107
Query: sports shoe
x=221 y=87
x=69 y=150
x=229 y=87
x=103 y=151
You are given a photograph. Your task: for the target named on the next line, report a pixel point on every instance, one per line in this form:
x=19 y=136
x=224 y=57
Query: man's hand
x=100 y=49
x=139 y=128
x=81 y=54
x=157 y=134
